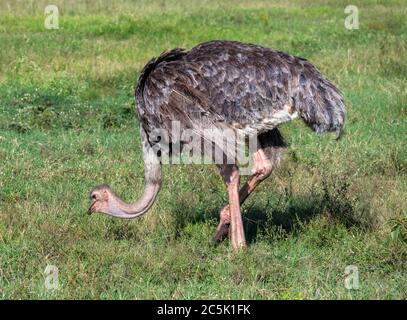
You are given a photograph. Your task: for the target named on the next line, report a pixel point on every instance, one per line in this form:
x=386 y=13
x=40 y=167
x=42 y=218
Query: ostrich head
x=101 y=199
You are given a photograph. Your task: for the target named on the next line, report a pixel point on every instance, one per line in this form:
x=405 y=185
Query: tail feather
x=318 y=102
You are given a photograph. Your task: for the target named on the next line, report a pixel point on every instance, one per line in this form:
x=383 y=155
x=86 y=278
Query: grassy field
x=68 y=123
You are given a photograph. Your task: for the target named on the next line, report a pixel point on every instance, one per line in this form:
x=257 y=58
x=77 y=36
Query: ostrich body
x=245 y=88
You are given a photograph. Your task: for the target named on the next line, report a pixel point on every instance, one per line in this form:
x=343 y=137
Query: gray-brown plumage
x=243 y=87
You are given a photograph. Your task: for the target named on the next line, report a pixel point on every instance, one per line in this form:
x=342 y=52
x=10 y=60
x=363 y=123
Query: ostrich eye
x=94 y=196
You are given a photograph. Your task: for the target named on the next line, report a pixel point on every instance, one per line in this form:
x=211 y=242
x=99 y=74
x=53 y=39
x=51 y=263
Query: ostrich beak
x=90 y=210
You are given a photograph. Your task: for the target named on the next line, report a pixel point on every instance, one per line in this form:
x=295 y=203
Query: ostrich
x=246 y=88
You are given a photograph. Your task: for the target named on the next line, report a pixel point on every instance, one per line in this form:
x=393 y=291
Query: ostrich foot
x=222 y=230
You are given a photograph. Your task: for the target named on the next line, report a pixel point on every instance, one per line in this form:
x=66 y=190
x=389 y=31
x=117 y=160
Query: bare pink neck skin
x=152 y=170
x=120 y=209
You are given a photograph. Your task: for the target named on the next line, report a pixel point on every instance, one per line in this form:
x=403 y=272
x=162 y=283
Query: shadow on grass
x=288 y=219
x=287 y=216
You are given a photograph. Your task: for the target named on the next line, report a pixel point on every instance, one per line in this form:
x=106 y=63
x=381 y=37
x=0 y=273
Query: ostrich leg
x=263 y=167
x=230 y=174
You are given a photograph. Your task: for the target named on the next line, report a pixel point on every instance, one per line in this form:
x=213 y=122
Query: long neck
x=152 y=172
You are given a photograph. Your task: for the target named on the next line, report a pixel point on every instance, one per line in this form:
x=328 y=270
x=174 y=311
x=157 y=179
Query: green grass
x=68 y=123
